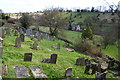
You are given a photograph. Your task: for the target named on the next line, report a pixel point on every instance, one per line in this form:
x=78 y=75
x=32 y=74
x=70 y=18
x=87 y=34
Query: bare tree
x=53 y=19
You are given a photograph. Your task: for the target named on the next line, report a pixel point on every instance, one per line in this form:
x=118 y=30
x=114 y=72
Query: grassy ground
x=13 y=56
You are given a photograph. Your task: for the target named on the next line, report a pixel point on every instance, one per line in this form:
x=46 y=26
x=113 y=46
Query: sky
x=15 y=6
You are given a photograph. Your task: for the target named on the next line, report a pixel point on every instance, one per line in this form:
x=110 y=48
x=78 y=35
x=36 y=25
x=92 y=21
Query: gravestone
x=39 y=38
x=2 y=33
x=18 y=42
x=28 y=57
x=94 y=68
x=35 y=45
x=16 y=33
x=37 y=72
x=46 y=60
x=103 y=76
x=1 y=51
x=1 y=41
x=80 y=61
x=22 y=37
x=87 y=68
x=87 y=61
x=53 y=58
x=21 y=71
x=97 y=76
x=28 y=32
x=58 y=46
x=99 y=67
x=68 y=72
x=110 y=64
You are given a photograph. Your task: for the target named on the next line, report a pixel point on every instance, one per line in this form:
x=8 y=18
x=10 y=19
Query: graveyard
x=33 y=51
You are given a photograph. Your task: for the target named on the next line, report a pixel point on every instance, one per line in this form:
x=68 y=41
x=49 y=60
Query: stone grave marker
x=1 y=51
x=94 y=68
x=2 y=33
x=16 y=33
x=58 y=46
x=53 y=58
x=28 y=32
x=21 y=71
x=22 y=37
x=53 y=46
x=68 y=72
x=28 y=57
x=80 y=61
x=87 y=61
x=35 y=45
x=1 y=41
x=37 y=72
x=18 y=42
x=97 y=75
x=87 y=68
x=46 y=60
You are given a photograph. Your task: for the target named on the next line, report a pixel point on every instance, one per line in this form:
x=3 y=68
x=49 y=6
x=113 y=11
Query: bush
x=87 y=34
x=87 y=46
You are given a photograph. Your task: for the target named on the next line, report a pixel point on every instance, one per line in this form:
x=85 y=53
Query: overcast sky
x=37 y=5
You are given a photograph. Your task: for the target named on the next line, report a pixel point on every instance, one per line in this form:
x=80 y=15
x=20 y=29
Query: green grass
x=112 y=51
x=13 y=56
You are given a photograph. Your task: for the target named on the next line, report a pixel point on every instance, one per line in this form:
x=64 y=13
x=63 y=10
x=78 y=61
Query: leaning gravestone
x=18 y=42
x=80 y=61
x=22 y=37
x=37 y=72
x=35 y=45
x=28 y=57
x=21 y=71
x=68 y=72
x=4 y=70
x=53 y=58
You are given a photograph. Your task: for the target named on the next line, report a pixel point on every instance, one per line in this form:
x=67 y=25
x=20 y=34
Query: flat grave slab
x=37 y=72
x=21 y=71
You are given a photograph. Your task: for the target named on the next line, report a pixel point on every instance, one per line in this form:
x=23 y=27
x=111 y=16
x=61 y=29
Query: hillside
x=13 y=56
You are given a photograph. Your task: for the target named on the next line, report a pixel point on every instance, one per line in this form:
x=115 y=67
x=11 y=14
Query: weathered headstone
x=46 y=60
x=35 y=45
x=2 y=33
x=87 y=61
x=94 y=68
x=1 y=51
x=18 y=42
x=97 y=76
x=80 y=61
x=28 y=32
x=21 y=71
x=37 y=72
x=53 y=46
x=1 y=41
x=53 y=58
x=68 y=72
x=22 y=37
x=87 y=68
x=28 y=57
x=16 y=33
